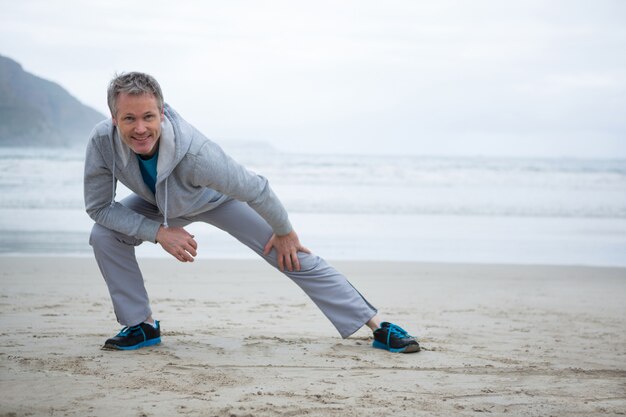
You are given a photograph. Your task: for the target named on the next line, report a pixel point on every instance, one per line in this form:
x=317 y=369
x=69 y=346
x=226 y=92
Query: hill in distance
x=38 y=112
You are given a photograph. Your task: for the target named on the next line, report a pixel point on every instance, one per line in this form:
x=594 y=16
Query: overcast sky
x=490 y=77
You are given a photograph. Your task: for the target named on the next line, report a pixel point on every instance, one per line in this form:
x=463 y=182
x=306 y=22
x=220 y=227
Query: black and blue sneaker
x=135 y=337
x=394 y=339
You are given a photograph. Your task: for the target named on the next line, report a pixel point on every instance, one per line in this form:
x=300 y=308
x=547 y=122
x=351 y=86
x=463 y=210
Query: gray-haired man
x=178 y=177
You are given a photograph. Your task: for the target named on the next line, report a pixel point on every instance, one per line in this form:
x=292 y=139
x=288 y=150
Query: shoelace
x=127 y=330
x=396 y=331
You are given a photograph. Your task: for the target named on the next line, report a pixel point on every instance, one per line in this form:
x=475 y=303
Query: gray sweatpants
x=344 y=306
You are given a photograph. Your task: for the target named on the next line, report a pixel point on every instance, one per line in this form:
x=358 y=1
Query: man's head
x=136 y=103
x=136 y=84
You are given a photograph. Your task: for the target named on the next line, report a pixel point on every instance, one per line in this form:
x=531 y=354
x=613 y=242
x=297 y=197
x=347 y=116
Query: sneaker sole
x=406 y=349
x=146 y=343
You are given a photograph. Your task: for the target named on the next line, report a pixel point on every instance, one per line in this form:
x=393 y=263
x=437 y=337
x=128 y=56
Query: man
x=178 y=177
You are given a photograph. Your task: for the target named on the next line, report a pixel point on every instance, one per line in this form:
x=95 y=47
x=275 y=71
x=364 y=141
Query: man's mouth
x=141 y=139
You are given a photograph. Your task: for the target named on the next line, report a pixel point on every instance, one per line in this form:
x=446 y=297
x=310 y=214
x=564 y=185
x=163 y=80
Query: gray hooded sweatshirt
x=194 y=175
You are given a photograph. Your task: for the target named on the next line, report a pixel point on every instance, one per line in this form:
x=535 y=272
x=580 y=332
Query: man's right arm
x=99 y=189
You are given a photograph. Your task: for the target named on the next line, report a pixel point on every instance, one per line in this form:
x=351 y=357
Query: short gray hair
x=134 y=83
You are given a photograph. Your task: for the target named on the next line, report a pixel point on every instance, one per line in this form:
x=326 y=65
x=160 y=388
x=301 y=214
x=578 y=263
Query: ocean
x=356 y=207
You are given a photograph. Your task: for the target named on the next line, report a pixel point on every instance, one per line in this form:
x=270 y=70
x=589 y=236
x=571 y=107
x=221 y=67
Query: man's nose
x=140 y=127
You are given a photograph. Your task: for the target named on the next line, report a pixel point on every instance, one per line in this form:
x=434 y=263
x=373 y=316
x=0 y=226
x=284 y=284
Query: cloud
x=414 y=76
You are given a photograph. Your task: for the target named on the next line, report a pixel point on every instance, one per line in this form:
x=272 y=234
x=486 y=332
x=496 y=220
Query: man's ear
x=114 y=121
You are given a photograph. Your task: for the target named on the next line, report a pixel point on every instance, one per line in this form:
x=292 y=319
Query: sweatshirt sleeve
x=216 y=170
x=99 y=192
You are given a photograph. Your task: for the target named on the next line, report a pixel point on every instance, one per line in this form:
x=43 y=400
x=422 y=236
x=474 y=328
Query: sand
x=239 y=339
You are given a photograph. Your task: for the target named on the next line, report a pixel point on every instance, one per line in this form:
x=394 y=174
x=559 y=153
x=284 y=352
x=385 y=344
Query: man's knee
x=100 y=235
x=308 y=262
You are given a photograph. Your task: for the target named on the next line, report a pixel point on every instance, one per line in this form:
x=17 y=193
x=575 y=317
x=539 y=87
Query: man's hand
x=287 y=248
x=178 y=242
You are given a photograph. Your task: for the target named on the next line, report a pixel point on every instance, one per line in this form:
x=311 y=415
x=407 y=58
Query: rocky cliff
x=38 y=112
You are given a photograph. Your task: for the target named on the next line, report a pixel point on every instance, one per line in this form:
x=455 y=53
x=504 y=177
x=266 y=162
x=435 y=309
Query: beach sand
x=239 y=339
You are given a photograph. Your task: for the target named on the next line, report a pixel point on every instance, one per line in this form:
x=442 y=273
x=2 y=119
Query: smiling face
x=139 y=122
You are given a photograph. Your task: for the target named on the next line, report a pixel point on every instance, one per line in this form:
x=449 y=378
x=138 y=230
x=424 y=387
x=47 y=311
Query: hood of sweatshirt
x=174 y=143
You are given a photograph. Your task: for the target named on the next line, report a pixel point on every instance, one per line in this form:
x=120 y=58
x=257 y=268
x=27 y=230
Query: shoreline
x=253 y=258
x=419 y=238
x=240 y=339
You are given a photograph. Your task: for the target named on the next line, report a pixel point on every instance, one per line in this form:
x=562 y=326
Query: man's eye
x=149 y=117
x=129 y=119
